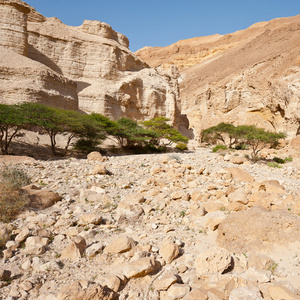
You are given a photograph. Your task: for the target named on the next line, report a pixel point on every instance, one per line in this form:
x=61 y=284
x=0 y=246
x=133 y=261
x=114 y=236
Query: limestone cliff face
x=89 y=66
x=248 y=77
x=21 y=78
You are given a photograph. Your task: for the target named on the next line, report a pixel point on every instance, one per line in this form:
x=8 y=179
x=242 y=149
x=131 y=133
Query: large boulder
x=257 y=228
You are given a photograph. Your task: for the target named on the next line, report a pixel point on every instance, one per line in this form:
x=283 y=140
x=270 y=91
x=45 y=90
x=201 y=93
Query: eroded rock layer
x=247 y=77
x=88 y=67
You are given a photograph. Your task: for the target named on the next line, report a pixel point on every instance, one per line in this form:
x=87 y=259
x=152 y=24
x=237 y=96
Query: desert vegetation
x=241 y=137
x=85 y=132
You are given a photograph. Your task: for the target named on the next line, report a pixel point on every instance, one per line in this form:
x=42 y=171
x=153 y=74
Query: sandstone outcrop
x=247 y=77
x=89 y=66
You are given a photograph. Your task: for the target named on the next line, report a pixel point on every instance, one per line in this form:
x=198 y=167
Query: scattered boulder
x=246 y=293
x=164 y=282
x=99 y=170
x=96 y=156
x=169 y=251
x=216 y=260
x=235 y=233
x=120 y=245
x=75 y=249
x=35 y=245
x=40 y=198
x=240 y=175
x=141 y=267
x=81 y=290
x=178 y=291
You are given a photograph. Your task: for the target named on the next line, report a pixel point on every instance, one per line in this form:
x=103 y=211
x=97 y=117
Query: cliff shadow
x=184 y=129
x=38 y=56
x=81 y=85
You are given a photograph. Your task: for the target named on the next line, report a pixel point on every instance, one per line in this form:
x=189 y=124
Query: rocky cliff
x=250 y=76
x=88 y=67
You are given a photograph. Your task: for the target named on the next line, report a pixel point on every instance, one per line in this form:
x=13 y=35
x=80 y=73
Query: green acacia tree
x=256 y=138
x=12 y=121
x=223 y=132
x=129 y=134
x=164 y=131
x=51 y=121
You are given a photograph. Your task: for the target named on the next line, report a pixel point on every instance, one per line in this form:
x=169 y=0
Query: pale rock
x=26 y=265
x=22 y=236
x=26 y=285
x=98 y=170
x=282 y=293
x=196 y=294
x=245 y=293
x=7 y=253
x=267 y=228
x=41 y=199
x=120 y=245
x=239 y=195
x=240 y=175
x=79 y=290
x=216 y=260
x=35 y=245
x=134 y=198
x=259 y=275
x=164 y=282
x=12 y=245
x=140 y=267
x=128 y=211
x=178 y=291
x=94 y=249
x=111 y=281
x=169 y=251
x=237 y=160
x=89 y=219
x=96 y=156
x=74 y=249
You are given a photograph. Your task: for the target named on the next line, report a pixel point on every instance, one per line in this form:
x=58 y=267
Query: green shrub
x=218 y=148
x=274 y=165
x=279 y=160
x=12 y=200
x=182 y=146
x=289 y=158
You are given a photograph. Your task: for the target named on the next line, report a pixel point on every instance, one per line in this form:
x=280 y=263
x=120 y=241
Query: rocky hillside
x=197 y=225
x=251 y=76
x=88 y=67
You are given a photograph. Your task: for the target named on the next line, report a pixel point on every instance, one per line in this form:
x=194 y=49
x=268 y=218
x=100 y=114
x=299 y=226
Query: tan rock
x=5 y=233
x=237 y=160
x=164 y=282
x=99 y=170
x=80 y=290
x=120 y=245
x=41 y=198
x=267 y=228
x=282 y=293
x=178 y=291
x=96 y=156
x=24 y=233
x=245 y=293
x=216 y=260
x=74 y=249
x=140 y=267
x=169 y=251
x=240 y=175
x=196 y=294
x=239 y=195
x=35 y=245
x=90 y=219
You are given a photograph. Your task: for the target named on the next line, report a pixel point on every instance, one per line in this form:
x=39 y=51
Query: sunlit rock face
x=251 y=76
x=89 y=67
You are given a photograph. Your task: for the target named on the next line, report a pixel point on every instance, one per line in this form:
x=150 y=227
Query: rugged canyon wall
x=247 y=77
x=21 y=78
x=88 y=67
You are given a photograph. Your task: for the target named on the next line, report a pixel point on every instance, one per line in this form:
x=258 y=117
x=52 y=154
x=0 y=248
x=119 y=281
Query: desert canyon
x=193 y=225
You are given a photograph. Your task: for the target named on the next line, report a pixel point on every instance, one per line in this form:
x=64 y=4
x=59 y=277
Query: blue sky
x=164 y=22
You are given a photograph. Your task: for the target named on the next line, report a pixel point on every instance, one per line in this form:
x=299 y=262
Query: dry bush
x=12 y=201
